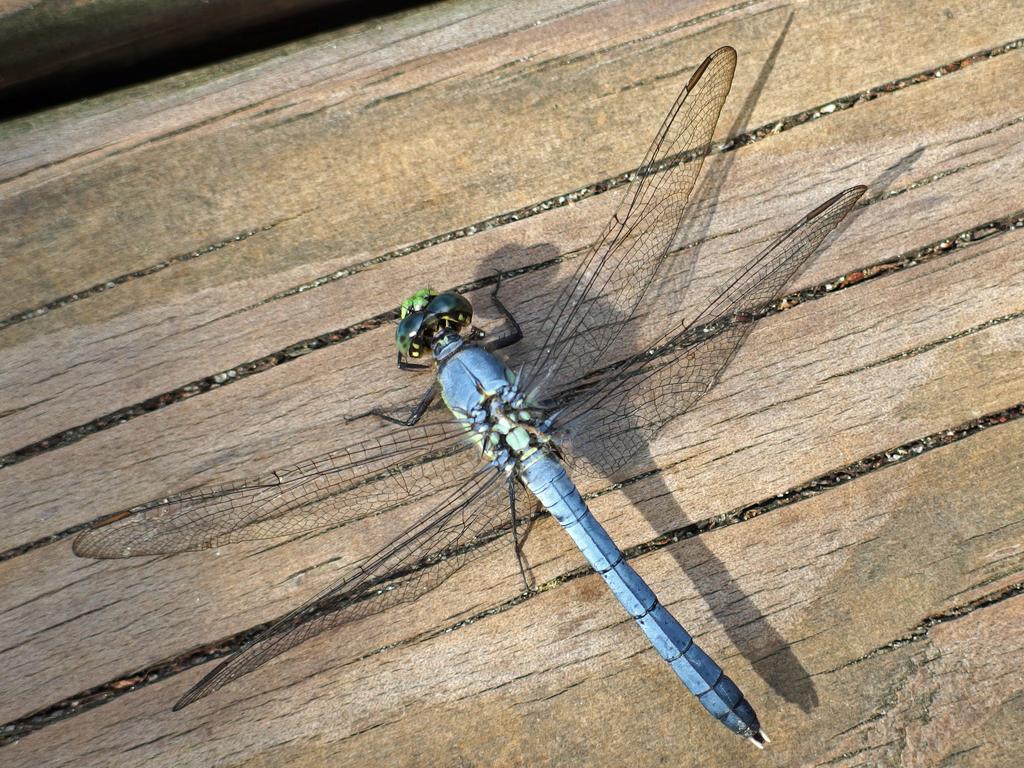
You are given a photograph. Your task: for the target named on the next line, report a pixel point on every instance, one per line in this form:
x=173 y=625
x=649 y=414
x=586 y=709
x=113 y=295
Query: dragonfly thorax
x=487 y=398
x=505 y=430
x=427 y=316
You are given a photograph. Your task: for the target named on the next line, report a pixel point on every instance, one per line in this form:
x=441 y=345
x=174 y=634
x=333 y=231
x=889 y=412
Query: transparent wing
x=363 y=479
x=609 y=421
x=610 y=281
x=422 y=557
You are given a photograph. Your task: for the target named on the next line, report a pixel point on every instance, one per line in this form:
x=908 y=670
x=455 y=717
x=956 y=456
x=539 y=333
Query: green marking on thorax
x=518 y=439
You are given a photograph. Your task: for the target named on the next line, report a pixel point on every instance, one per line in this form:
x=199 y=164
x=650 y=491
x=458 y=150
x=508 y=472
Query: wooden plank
x=240 y=438
x=816 y=387
x=563 y=677
x=955 y=701
x=99 y=368
x=418 y=49
x=153 y=334
x=772 y=424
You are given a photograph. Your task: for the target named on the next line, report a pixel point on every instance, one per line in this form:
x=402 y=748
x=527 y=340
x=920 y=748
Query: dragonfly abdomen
x=547 y=479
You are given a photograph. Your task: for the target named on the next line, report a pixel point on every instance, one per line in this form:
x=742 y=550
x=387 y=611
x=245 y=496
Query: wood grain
x=565 y=677
x=316 y=409
x=777 y=393
x=197 y=317
x=346 y=147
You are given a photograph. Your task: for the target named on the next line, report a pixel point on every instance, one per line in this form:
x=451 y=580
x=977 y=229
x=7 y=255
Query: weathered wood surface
x=348 y=148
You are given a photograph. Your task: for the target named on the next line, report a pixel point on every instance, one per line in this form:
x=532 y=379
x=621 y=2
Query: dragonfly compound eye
x=450 y=310
x=409 y=335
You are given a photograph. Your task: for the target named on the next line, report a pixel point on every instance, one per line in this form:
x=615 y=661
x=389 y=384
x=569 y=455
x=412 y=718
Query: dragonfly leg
x=515 y=334
x=414 y=416
x=405 y=365
x=517 y=540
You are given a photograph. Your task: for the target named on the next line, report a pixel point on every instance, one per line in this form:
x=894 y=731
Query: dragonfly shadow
x=605 y=451
x=747 y=627
x=768 y=652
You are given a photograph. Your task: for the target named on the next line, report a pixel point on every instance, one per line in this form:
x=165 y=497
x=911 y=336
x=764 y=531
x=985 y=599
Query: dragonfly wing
x=363 y=479
x=428 y=552
x=611 y=280
x=611 y=421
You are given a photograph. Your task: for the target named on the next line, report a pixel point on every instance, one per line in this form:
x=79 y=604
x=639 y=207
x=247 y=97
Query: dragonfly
x=574 y=408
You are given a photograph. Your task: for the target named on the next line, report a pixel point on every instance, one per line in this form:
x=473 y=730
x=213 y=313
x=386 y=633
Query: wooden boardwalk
x=199 y=276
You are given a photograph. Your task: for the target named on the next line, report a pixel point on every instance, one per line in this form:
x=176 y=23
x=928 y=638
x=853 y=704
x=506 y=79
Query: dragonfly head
x=425 y=315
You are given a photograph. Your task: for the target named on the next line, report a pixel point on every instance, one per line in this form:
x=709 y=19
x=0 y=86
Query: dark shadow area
x=748 y=629
x=133 y=52
x=768 y=652
x=879 y=186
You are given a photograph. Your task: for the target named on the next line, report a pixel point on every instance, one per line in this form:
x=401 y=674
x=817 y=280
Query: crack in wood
x=110 y=690
x=113 y=282
x=921 y=349
x=912 y=258
x=728 y=145
x=923 y=629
